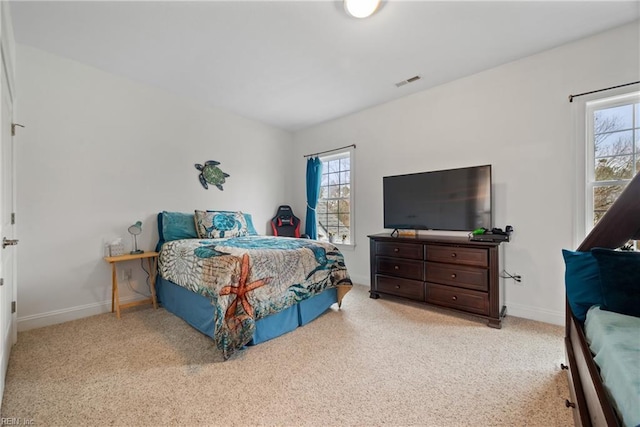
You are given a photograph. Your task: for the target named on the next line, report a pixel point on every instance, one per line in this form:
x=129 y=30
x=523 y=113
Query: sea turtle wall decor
x=212 y=174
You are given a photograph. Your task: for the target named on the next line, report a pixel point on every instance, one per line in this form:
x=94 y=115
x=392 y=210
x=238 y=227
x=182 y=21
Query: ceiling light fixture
x=361 y=8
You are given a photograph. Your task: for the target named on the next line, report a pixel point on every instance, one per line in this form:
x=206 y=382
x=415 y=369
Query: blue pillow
x=176 y=226
x=181 y=225
x=582 y=282
x=619 y=280
x=250 y=228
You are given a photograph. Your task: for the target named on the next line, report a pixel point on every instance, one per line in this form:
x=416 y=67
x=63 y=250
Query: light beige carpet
x=374 y=362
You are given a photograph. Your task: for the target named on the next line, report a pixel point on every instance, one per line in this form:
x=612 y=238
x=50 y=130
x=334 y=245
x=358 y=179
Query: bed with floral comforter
x=248 y=278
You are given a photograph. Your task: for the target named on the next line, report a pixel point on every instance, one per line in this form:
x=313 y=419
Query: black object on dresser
x=447 y=271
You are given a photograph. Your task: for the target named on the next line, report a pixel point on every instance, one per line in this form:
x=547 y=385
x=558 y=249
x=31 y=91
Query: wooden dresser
x=448 y=271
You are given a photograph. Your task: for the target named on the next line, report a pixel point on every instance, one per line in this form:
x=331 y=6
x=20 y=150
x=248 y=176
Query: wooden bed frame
x=589 y=400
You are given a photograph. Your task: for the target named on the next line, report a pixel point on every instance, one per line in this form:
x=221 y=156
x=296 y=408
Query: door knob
x=8 y=242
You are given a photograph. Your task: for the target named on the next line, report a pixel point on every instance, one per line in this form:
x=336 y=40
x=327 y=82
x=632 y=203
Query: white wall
x=516 y=117
x=100 y=152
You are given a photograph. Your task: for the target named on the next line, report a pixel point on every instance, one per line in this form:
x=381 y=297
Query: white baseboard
x=72 y=313
x=534 y=313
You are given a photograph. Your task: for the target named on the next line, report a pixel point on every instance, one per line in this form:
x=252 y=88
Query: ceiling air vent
x=409 y=80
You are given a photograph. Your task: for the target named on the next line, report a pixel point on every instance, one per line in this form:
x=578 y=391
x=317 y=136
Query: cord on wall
x=507 y=275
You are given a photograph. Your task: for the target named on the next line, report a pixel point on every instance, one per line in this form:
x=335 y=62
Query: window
x=335 y=203
x=613 y=151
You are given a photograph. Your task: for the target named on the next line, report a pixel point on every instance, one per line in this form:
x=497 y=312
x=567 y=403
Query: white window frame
x=591 y=184
x=349 y=152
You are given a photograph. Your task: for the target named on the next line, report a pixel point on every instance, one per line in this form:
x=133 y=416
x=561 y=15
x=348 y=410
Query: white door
x=8 y=330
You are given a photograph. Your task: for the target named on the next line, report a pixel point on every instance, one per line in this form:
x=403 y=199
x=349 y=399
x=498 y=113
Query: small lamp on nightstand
x=136 y=229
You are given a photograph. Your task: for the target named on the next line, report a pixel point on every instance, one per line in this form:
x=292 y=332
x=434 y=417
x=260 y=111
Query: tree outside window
x=614 y=151
x=335 y=208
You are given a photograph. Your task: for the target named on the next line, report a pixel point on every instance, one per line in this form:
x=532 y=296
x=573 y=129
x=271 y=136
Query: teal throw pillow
x=176 y=226
x=251 y=230
x=619 y=280
x=582 y=282
x=215 y=225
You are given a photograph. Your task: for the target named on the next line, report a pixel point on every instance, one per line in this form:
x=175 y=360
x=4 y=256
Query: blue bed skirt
x=197 y=311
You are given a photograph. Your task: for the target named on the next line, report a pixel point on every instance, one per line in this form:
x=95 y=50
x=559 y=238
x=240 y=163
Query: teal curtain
x=314 y=175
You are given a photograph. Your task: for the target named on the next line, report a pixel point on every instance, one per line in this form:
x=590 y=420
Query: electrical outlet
x=126 y=274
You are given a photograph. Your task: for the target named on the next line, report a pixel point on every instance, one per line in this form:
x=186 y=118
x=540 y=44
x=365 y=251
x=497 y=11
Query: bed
x=241 y=288
x=592 y=380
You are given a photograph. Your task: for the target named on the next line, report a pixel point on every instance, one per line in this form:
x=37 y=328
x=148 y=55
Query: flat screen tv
x=453 y=199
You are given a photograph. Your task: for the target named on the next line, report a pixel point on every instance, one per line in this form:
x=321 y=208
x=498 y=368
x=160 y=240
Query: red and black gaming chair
x=285 y=223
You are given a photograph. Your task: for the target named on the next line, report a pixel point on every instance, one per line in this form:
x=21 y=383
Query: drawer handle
x=453 y=255
x=396 y=267
x=396 y=249
x=455 y=298
x=397 y=286
x=453 y=276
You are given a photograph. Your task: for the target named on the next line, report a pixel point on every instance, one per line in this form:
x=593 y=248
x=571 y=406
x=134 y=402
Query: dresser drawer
x=401 y=287
x=457 y=275
x=407 y=268
x=454 y=255
x=462 y=299
x=401 y=250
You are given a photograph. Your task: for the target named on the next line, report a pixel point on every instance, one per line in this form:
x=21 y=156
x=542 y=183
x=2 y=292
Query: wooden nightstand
x=153 y=268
